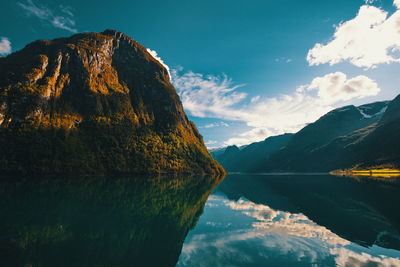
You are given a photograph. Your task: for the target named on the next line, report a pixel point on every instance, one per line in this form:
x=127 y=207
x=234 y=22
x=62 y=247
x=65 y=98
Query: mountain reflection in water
x=248 y=220
x=297 y=220
x=106 y=221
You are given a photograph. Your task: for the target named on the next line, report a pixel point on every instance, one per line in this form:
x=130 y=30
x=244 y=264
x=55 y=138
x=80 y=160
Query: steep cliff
x=94 y=103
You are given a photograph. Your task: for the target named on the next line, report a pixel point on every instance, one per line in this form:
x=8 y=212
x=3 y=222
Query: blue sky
x=245 y=70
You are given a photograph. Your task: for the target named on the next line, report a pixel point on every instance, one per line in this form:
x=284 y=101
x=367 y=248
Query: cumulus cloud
x=371 y=38
x=336 y=87
x=217 y=97
x=5 y=46
x=65 y=21
x=157 y=57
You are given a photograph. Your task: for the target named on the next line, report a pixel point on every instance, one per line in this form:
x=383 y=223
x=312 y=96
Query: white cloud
x=5 y=46
x=217 y=97
x=210 y=142
x=254 y=135
x=65 y=22
x=255 y=99
x=278 y=115
x=396 y=3
x=67 y=10
x=213 y=125
x=156 y=56
x=336 y=87
x=371 y=38
x=346 y=257
x=207 y=95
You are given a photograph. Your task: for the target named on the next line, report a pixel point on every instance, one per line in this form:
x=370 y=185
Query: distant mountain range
x=94 y=103
x=346 y=137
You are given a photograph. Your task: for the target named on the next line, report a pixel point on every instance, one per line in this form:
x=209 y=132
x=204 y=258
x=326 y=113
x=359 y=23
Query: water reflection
x=297 y=221
x=247 y=221
x=98 y=221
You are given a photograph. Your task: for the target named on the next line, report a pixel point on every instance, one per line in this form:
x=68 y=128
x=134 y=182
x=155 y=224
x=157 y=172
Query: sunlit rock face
x=94 y=103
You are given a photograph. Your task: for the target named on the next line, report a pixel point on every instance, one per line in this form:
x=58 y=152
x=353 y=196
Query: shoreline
x=382 y=173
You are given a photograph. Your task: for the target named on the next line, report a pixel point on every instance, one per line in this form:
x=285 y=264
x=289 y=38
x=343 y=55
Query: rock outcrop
x=94 y=103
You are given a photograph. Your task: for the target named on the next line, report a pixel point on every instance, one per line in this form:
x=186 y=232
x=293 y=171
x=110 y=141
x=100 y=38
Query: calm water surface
x=245 y=220
x=298 y=220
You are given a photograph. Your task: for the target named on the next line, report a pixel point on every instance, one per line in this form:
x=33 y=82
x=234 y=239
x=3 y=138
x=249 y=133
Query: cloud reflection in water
x=237 y=233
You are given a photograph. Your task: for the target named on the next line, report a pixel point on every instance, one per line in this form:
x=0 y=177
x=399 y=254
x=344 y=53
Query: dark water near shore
x=246 y=220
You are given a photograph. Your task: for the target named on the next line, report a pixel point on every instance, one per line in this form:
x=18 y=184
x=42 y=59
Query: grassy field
x=373 y=171
x=383 y=173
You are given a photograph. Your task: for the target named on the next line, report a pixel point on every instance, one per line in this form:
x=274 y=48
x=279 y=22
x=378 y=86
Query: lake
x=244 y=220
x=297 y=220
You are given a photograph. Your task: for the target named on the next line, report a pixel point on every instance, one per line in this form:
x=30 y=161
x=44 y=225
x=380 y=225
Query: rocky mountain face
x=94 y=103
x=346 y=137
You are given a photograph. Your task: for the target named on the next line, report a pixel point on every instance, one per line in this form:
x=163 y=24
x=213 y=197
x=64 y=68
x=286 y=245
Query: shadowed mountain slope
x=363 y=136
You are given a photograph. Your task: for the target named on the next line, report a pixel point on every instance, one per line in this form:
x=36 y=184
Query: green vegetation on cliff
x=94 y=103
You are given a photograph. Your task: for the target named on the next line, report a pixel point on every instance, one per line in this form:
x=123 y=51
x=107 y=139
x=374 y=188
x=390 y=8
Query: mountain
x=215 y=152
x=251 y=156
x=346 y=137
x=375 y=145
x=94 y=103
x=231 y=153
x=304 y=151
x=393 y=111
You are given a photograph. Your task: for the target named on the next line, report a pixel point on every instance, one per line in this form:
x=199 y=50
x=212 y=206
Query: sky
x=245 y=70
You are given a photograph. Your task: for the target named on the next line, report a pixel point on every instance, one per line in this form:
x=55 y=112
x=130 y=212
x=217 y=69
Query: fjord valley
x=199 y=133
x=349 y=137
x=94 y=103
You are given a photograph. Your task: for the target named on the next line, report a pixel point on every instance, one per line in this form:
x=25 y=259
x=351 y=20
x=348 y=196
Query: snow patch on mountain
x=368 y=116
